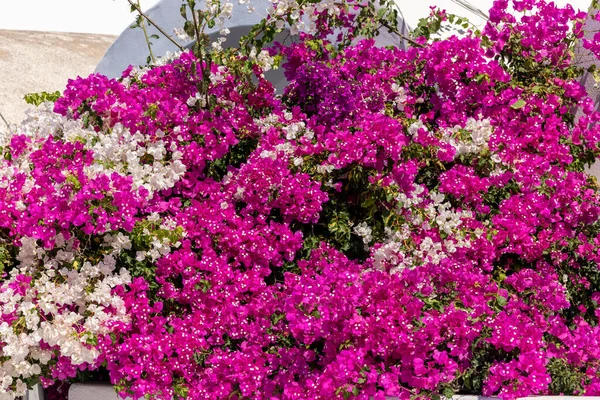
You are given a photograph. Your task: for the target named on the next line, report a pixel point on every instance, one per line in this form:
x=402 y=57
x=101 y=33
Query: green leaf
x=448 y=392
x=38 y=98
x=501 y=301
x=276 y=317
x=518 y=104
x=188 y=28
x=180 y=391
x=205 y=285
x=536 y=89
x=368 y=202
x=183 y=11
x=5 y=258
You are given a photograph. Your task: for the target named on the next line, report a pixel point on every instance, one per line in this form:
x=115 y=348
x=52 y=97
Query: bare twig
x=468 y=6
x=143 y=26
x=139 y=10
x=402 y=36
x=394 y=30
x=409 y=40
x=4 y=119
x=199 y=30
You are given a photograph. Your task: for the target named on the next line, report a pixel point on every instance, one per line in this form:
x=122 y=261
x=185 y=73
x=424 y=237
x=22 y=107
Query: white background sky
x=113 y=16
x=89 y=16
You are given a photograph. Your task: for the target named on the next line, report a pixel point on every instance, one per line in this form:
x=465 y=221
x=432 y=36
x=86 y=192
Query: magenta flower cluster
x=406 y=223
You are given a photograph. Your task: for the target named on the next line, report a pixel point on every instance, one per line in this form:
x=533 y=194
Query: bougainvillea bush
x=398 y=222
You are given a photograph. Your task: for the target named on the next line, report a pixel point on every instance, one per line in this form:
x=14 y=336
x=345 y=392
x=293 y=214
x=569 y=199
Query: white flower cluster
x=473 y=138
x=37 y=126
x=39 y=123
x=470 y=139
x=116 y=150
x=413 y=129
x=365 y=232
x=400 y=96
x=392 y=253
x=292 y=131
x=411 y=199
x=159 y=246
x=66 y=306
x=266 y=123
x=117 y=242
x=282 y=150
x=70 y=298
x=136 y=73
x=325 y=169
x=296 y=129
x=440 y=213
x=219 y=75
x=219 y=12
x=197 y=98
x=168 y=58
x=134 y=155
x=262 y=58
x=399 y=252
x=181 y=34
x=304 y=16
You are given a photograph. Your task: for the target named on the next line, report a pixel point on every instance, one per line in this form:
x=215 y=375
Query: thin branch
x=143 y=25
x=409 y=40
x=5 y=121
x=199 y=43
x=395 y=31
x=139 y=10
x=468 y=6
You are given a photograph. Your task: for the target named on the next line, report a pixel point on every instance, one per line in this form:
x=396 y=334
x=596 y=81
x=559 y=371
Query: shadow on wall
x=131 y=48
